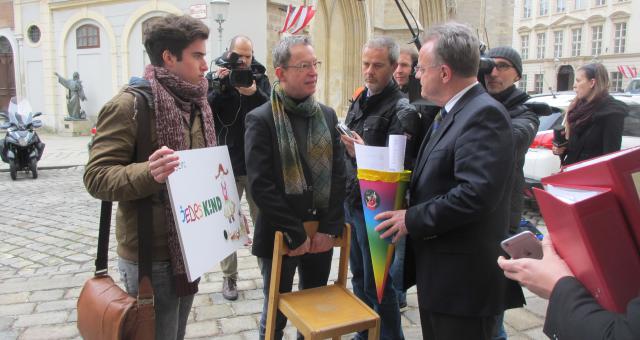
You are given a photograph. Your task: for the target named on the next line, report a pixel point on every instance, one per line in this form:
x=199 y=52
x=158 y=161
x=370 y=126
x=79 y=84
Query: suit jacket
x=573 y=313
x=277 y=210
x=459 y=210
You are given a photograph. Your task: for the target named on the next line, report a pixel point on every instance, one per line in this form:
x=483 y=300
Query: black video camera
x=240 y=75
x=486 y=64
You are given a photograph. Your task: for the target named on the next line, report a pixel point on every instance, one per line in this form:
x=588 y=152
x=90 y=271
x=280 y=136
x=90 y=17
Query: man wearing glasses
x=459 y=195
x=500 y=83
x=380 y=110
x=295 y=168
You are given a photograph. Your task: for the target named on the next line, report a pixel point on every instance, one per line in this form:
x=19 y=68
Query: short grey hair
x=387 y=43
x=282 y=51
x=456 y=46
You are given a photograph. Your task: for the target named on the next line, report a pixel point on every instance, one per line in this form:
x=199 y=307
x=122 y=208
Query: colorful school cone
x=381 y=191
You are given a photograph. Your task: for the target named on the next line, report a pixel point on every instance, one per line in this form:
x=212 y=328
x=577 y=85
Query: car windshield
x=548 y=122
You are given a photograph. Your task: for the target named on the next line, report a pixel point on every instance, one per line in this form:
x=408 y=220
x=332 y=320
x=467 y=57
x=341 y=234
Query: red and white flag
x=297 y=18
x=633 y=72
x=621 y=70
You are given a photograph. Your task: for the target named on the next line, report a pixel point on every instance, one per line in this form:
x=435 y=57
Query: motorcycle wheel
x=33 y=166
x=13 y=169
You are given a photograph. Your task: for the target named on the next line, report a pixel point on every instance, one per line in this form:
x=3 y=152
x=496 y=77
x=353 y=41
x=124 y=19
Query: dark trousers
x=438 y=326
x=313 y=271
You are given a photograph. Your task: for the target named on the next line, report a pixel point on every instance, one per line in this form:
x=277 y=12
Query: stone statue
x=74 y=95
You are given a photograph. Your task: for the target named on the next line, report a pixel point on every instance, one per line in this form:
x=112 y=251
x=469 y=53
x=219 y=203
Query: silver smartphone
x=344 y=129
x=524 y=244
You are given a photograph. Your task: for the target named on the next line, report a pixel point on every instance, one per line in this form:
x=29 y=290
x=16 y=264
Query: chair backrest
x=280 y=248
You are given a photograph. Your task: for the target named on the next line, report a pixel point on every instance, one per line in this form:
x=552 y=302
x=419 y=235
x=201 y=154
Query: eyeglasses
x=419 y=68
x=306 y=67
x=503 y=66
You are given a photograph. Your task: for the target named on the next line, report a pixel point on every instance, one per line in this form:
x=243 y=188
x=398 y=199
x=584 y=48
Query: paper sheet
x=382 y=158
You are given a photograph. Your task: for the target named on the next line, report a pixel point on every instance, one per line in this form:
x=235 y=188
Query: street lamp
x=220 y=11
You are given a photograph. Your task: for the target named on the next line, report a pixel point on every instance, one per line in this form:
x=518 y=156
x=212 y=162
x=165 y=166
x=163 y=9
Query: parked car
x=633 y=87
x=541 y=162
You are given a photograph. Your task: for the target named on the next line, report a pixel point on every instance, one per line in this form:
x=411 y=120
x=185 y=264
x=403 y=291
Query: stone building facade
x=556 y=37
x=102 y=40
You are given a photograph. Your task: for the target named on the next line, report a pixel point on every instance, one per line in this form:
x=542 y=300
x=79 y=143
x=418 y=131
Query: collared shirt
x=452 y=102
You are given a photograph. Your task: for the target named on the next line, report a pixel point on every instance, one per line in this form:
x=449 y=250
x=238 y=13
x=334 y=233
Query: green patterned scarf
x=319 y=147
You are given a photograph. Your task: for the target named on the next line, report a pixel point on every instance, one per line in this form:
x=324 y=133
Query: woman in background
x=594 y=119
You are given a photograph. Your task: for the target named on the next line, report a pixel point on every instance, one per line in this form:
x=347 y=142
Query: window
x=542 y=37
x=526 y=8
x=620 y=37
x=523 y=83
x=579 y=4
x=596 y=40
x=524 y=46
x=537 y=83
x=88 y=36
x=616 y=82
x=544 y=7
x=34 y=34
x=601 y=2
x=560 y=6
x=576 y=42
x=557 y=44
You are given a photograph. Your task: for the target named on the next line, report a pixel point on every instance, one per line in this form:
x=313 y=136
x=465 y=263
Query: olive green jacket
x=112 y=174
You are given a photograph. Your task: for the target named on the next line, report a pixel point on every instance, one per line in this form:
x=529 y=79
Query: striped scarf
x=319 y=147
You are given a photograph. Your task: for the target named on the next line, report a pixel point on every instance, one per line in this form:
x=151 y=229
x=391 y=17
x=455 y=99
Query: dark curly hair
x=173 y=33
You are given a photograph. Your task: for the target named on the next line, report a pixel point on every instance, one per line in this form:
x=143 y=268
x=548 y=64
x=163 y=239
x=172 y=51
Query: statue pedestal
x=74 y=128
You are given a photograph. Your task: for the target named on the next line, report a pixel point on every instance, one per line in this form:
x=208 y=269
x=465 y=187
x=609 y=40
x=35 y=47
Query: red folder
x=619 y=171
x=590 y=233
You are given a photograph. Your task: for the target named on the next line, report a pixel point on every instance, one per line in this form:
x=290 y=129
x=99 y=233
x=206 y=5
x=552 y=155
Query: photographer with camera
x=239 y=86
x=499 y=77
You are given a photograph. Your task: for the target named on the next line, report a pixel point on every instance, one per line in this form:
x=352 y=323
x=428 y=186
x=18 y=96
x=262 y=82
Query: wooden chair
x=323 y=312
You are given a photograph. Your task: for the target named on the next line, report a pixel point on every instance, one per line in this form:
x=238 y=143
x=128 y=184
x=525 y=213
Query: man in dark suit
x=459 y=207
x=295 y=168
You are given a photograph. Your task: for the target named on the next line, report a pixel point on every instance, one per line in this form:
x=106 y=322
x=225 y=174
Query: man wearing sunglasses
x=500 y=83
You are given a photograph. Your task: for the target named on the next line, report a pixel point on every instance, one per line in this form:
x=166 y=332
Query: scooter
x=21 y=147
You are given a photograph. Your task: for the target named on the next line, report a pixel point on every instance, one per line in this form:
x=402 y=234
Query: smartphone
x=343 y=129
x=524 y=244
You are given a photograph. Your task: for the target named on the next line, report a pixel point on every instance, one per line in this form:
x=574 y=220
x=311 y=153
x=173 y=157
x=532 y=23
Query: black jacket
x=277 y=210
x=524 y=125
x=573 y=313
x=459 y=211
x=602 y=135
x=374 y=119
x=229 y=110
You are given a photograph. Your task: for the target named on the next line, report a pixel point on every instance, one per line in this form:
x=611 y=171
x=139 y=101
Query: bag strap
x=103 y=239
x=145 y=221
x=144 y=208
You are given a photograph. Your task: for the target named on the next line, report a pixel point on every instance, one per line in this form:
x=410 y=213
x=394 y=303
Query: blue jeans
x=364 y=286
x=498 y=332
x=313 y=271
x=397 y=270
x=172 y=311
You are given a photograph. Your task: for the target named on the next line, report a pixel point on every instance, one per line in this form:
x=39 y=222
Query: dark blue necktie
x=438 y=119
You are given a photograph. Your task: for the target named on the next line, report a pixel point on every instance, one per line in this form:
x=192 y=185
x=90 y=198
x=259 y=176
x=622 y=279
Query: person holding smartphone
x=573 y=313
x=380 y=109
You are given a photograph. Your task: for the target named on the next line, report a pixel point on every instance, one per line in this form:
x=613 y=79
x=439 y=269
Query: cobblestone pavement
x=49 y=228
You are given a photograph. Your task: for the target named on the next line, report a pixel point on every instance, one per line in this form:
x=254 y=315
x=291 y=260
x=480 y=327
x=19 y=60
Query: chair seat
x=327 y=311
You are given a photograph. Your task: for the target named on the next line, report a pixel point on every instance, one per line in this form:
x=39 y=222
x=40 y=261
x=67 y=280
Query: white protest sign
x=206 y=208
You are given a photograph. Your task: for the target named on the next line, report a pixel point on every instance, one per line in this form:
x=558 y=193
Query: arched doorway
x=7 y=75
x=565 y=78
